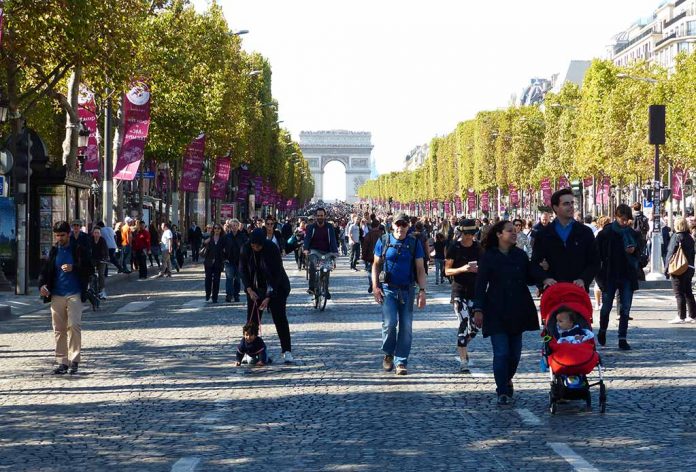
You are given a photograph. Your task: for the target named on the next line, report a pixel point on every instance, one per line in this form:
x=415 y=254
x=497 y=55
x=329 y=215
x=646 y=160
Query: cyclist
x=320 y=238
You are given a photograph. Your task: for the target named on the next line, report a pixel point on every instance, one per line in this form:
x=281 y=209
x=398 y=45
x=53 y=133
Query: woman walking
x=100 y=256
x=503 y=303
x=266 y=285
x=273 y=235
x=681 y=284
x=214 y=262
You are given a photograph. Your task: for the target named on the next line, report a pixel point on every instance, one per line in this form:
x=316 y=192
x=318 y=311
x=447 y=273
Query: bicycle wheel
x=324 y=291
x=317 y=290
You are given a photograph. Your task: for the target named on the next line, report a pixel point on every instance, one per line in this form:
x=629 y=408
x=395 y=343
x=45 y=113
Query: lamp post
x=655 y=138
x=82 y=142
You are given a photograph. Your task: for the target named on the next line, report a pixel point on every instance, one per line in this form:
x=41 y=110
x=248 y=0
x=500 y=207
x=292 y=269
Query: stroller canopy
x=566 y=294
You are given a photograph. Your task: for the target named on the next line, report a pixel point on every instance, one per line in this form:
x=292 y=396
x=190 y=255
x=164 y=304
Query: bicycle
x=324 y=264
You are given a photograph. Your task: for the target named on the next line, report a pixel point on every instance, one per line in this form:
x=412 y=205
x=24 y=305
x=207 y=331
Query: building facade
x=351 y=148
x=658 y=39
x=416 y=157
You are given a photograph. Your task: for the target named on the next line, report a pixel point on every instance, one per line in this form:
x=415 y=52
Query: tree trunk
x=72 y=122
x=118 y=133
x=141 y=188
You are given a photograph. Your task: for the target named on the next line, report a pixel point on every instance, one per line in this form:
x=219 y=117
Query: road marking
x=478 y=373
x=186 y=464
x=195 y=303
x=133 y=307
x=572 y=458
x=528 y=417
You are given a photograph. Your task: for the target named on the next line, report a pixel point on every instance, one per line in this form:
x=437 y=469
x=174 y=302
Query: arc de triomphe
x=352 y=148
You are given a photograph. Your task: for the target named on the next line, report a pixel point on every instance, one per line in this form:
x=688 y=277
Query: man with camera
x=397 y=265
x=63 y=281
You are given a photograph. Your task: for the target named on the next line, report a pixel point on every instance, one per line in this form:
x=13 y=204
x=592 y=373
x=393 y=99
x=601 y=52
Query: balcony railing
x=664 y=40
x=678 y=2
x=675 y=19
x=621 y=46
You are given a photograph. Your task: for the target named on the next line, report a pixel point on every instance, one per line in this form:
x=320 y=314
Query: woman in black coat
x=681 y=284
x=273 y=235
x=214 y=262
x=266 y=285
x=503 y=300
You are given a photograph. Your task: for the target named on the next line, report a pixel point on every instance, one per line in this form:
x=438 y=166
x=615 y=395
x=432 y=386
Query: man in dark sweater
x=567 y=246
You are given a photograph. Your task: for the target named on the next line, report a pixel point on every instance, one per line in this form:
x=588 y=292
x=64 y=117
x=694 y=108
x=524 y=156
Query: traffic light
x=576 y=185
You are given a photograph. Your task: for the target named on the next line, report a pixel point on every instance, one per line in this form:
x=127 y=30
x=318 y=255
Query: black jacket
x=576 y=259
x=608 y=243
x=286 y=231
x=272 y=280
x=215 y=254
x=687 y=244
x=502 y=292
x=195 y=236
x=83 y=265
x=99 y=251
x=233 y=245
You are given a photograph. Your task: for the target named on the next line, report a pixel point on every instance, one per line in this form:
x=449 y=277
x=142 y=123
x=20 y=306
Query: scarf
x=626 y=234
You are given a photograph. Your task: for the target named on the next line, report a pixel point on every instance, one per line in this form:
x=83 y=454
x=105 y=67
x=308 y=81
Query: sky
x=410 y=70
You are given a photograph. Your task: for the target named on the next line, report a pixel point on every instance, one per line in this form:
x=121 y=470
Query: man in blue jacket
x=320 y=237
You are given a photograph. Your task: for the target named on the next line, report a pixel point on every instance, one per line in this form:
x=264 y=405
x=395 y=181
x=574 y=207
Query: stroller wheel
x=602 y=398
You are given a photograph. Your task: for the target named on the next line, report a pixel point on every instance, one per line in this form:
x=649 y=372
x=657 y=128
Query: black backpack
x=640 y=224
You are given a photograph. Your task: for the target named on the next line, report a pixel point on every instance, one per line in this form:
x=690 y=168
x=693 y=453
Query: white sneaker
x=246 y=359
x=677 y=320
x=102 y=295
x=287 y=357
x=690 y=320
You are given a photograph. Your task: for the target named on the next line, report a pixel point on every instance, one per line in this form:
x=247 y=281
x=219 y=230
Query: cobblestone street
x=157 y=390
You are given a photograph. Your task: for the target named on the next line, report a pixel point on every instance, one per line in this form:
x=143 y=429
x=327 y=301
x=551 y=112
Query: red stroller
x=569 y=364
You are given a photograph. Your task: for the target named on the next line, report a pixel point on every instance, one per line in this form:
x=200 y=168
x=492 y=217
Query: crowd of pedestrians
x=493 y=268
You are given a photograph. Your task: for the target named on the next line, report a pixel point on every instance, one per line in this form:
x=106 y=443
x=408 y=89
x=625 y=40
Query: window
x=683 y=47
x=691 y=28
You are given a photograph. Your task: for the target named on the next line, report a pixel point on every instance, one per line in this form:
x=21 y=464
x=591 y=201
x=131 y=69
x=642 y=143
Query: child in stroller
x=569 y=348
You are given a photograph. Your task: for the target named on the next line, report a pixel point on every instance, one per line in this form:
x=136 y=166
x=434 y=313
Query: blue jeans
x=126 y=259
x=439 y=270
x=507 y=350
x=625 y=298
x=397 y=309
x=368 y=268
x=232 y=280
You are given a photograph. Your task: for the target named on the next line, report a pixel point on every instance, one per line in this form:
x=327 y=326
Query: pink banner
x=606 y=190
x=458 y=204
x=587 y=182
x=563 y=182
x=87 y=111
x=222 y=175
x=226 y=211
x=546 y=191
x=136 y=112
x=514 y=196
x=485 y=202
x=193 y=164
x=471 y=201
x=678 y=178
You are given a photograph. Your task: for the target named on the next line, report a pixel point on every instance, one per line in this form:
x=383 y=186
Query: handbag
x=678 y=264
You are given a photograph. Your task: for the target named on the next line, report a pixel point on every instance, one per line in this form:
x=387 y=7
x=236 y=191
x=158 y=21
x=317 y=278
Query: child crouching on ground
x=567 y=328
x=252 y=346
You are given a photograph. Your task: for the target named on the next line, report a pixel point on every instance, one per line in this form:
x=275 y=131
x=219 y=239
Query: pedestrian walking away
x=100 y=255
x=503 y=299
x=398 y=260
x=354 y=237
x=166 y=248
x=63 y=282
x=214 y=263
x=681 y=283
x=461 y=263
x=141 y=244
x=267 y=286
x=619 y=247
x=234 y=241
x=195 y=238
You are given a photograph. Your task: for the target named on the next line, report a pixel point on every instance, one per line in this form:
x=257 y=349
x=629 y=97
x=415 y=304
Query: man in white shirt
x=354 y=238
x=166 y=247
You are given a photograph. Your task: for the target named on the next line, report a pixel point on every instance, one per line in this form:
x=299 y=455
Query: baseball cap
x=76 y=222
x=467 y=226
x=401 y=217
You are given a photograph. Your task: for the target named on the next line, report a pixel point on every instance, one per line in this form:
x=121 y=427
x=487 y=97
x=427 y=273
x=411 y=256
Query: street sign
x=3 y=186
x=647 y=203
x=149 y=174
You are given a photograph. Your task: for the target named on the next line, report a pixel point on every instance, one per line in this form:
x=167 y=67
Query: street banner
x=546 y=191
x=514 y=196
x=471 y=201
x=447 y=207
x=606 y=190
x=485 y=202
x=563 y=182
x=678 y=178
x=226 y=211
x=87 y=112
x=222 y=176
x=136 y=113
x=587 y=182
x=458 y=204
x=243 y=190
x=193 y=164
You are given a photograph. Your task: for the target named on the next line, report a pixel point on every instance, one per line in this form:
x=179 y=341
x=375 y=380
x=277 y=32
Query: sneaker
x=102 y=295
x=328 y=295
x=60 y=370
x=388 y=363
x=511 y=388
x=690 y=320
x=503 y=400
x=623 y=345
x=677 y=320
x=310 y=291
x=464 y=367
x=228 y=299
x=73 y=368
x=246 y=359
x=369 y=289
x=287 y=357
x=401 y=370
x=602 y=337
